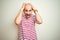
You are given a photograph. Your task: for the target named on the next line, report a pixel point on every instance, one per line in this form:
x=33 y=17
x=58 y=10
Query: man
x=26 y=22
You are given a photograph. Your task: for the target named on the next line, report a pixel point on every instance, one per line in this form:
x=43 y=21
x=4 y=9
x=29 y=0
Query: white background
x=48 y=9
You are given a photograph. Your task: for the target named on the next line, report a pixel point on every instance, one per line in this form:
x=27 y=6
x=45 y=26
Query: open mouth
x=27 y=15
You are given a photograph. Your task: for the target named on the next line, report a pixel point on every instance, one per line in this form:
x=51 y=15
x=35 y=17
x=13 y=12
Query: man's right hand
x=23 y=6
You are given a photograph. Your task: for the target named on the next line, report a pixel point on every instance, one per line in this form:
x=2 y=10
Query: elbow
x=40 y=22
x=16 y=22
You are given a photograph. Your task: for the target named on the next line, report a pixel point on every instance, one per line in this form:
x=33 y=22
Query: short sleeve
x=34 y=18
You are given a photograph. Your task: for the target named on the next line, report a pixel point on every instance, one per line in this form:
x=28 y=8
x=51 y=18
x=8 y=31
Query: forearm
x=19 y=17
x=38 y=18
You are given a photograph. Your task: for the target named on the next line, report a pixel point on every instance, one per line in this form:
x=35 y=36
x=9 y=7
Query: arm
x=19 y=16
x=38 y=17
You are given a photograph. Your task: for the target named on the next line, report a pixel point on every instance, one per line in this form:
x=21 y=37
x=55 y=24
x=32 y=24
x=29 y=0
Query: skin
x=27 y=9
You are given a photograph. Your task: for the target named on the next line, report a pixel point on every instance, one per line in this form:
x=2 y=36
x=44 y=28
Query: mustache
x=27 y=14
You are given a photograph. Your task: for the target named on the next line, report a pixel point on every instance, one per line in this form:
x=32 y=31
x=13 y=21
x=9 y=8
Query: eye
x=30 y=10
x=26 y=10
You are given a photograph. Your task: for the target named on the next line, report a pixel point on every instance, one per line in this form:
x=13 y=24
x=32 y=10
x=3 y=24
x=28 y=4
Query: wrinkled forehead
x=28 y=6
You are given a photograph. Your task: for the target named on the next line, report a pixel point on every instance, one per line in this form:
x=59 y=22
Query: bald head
x=28 y=9
x=28 y=6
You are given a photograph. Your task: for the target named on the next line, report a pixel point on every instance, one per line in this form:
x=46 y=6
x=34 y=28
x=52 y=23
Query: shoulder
x=33 y=15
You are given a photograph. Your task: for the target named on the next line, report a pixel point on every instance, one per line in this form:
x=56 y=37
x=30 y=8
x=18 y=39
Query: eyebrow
x=31 y=9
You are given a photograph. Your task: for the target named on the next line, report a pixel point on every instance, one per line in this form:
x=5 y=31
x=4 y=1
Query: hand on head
x=34 y=9
x=28 y=6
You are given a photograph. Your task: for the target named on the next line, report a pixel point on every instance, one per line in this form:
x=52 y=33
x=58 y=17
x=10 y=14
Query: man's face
x=28 y=10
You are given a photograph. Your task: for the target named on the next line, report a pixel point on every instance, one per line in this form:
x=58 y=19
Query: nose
x=28 y=12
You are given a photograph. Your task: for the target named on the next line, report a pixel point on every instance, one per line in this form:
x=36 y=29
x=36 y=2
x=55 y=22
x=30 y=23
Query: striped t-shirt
x=26 y=30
